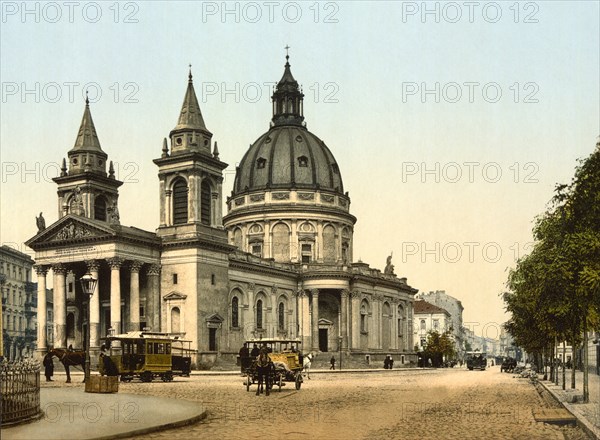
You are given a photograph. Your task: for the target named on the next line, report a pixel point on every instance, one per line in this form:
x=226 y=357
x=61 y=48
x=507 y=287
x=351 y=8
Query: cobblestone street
x=414 y=404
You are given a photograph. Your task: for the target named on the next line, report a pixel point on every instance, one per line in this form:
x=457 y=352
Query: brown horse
x=68 y=359
x=265 y=370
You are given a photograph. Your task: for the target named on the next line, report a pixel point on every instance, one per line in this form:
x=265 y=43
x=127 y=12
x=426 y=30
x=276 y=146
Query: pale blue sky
x=362 y=63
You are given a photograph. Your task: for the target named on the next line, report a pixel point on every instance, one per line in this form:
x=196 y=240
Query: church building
x=278 y=264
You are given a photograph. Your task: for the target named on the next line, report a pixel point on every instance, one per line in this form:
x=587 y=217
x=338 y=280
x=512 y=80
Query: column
x=214 y=209
x=163 y=199
x=355 y=304
x=42 y=343
x=115 y=293
x=168 y=208
x=274 y=312
x=267 y=240
x=60 y=306
x=294 y=251
x=319 y=244
x=315 y=319
x=134 y=296
x=250 y=319
x=410 y=344
x=93 y=267
x=344 y=308
x=193 y=205
x=219 y=208
x=153 y=298
x=394 y=326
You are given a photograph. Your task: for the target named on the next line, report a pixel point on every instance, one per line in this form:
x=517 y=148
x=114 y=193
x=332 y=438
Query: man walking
x=48 y=367
x=332 y=362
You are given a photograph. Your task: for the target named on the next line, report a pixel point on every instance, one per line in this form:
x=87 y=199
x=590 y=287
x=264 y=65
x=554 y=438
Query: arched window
x=400 y=321
x=175 y=320
x=100 y=208
x=70 y=325
x=281 y=316
x=235 y=321
x=423 y=325
x=259 y=314
x=205 y=195
x=363 y=316
x=237 y=238
x=329 y=244
x=281 y=242
x=180 y=202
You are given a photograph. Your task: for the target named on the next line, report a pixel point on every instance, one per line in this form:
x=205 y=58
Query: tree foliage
x=555 y=290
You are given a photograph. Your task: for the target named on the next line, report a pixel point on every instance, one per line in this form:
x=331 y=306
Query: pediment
x=71 y=228
x=174 y=296
x=215 y=318
x=324 y=321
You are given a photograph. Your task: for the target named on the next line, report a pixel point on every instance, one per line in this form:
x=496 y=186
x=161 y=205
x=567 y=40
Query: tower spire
x=288 y=99
x=190 y=116
x=87 y=139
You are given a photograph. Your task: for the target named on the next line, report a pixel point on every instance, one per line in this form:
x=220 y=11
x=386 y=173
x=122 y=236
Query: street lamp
x=88 y=285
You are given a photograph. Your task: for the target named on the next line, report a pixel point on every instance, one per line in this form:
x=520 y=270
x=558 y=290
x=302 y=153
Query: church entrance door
x=323 y=339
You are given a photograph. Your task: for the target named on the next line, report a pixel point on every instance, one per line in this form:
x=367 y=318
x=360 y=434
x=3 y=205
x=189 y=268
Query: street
x=397 y=404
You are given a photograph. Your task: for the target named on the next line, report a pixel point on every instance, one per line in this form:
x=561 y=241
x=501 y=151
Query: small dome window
x=261 y=162
x=268 y=140
x=303 y=161
x=298 y=138
x=179 y=141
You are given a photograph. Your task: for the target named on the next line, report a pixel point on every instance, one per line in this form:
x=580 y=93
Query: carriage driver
x=244 y=357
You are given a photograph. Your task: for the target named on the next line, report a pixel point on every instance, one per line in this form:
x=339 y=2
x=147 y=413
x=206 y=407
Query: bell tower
x=85 y=189
x=191 y=175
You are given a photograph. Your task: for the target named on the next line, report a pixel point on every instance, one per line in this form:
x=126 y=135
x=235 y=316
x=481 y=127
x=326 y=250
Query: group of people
x=388 y=362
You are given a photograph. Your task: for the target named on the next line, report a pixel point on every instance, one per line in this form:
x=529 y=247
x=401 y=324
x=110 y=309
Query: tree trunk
x=564 y=369
x=586 y=390
x=573 y=363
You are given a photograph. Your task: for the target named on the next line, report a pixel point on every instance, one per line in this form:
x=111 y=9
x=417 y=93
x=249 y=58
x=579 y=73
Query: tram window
x=168 y=348
x=150 y=348
x=140 y=348
x=159 y=348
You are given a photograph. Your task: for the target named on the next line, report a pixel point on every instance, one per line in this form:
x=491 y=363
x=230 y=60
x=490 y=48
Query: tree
x=439 y=346
x=555 y=290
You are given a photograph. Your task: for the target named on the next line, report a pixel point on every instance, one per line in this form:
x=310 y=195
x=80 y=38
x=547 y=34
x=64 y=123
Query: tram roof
x=272 y=340
x=148 y=335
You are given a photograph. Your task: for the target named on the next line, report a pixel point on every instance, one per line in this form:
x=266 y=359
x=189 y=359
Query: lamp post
x=88 y=285
x=340 y=347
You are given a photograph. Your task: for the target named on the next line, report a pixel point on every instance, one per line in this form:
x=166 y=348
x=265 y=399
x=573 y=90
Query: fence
x=20 y=386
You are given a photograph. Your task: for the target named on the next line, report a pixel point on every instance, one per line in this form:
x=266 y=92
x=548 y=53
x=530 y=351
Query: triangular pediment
x=71 y=228
x=215 y=318
x=324 y=321
x=174 y=296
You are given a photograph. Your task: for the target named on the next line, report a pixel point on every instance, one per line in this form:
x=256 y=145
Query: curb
x=373 y=370
x=156 y=428
x=582 y=422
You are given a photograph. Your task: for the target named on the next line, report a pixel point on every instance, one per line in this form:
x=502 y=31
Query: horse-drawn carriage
x=476 y=360
x=279 y=361
x=145 y=355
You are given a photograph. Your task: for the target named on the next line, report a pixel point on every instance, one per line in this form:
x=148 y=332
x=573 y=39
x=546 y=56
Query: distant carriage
x=476 y=360
x=286 y=363
x=146 y=355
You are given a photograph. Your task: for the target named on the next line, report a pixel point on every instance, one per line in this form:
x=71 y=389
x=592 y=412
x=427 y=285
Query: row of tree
x=554 y=292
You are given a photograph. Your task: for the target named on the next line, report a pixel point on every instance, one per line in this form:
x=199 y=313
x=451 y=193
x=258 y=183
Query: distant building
x=455 y=308
x=428 y=317
x=19 y=301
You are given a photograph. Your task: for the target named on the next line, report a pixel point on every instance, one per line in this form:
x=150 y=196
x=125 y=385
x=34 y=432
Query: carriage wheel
x=298 y=381
x=146 y=376
x=248 y=382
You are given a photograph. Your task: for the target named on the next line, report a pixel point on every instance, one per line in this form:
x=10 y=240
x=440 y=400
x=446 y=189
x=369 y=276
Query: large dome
x=287 y=157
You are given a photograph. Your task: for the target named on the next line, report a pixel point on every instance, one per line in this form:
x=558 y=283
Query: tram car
x=287 y=362
x=476 y=360
x=145 y=355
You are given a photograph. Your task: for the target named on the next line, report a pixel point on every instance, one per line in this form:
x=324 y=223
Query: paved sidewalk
x=588 y=414
x=71 y=413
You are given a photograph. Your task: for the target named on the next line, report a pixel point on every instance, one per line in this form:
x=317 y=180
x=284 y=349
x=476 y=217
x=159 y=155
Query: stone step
x=555 y=416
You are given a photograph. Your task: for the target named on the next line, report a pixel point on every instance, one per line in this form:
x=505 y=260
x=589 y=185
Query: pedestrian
x=332 y=362
x=244 y=357
x=391 y=362
x=255 y=351
x=48 y=367
x=386 y=363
